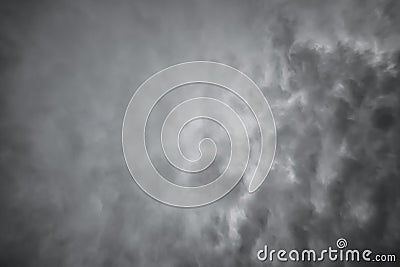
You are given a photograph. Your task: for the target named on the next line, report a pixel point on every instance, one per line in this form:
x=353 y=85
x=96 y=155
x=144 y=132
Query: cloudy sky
x=329 y=69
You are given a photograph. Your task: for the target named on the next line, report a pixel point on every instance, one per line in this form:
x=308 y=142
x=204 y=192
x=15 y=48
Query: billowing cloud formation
x=329 y=70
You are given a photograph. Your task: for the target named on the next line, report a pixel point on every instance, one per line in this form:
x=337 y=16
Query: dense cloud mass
x=329 y=69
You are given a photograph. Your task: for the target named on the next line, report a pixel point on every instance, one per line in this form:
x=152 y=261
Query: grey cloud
x=330 y=71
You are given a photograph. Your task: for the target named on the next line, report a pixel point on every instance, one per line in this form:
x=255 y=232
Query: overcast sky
x=329 y=69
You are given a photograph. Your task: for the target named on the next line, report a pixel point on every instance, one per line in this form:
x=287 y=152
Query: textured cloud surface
x=329 y=69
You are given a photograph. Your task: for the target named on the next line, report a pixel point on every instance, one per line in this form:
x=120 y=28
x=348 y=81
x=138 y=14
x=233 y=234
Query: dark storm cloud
x=330 y=71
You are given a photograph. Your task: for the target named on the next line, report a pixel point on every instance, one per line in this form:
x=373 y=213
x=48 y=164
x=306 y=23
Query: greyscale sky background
x=329 y=69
